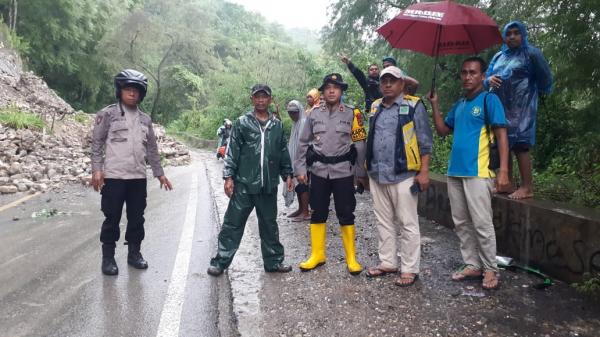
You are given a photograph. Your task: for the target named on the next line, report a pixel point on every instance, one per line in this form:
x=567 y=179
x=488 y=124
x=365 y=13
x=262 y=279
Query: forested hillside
x=202 y=56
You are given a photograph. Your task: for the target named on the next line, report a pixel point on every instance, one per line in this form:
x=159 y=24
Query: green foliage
x=590 y=285
x=11 y=39
x=81 y=118
x=18 y=119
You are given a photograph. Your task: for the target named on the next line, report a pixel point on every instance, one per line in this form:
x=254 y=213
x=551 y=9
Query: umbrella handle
x=438 y=34
x=433 y=79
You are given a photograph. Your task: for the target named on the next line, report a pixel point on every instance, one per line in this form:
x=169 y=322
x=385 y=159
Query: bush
x=81 y=118
x=17 y=119
x=589 y=286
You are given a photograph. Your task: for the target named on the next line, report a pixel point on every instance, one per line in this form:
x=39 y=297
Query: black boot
x=134 y=257
x=109 y=265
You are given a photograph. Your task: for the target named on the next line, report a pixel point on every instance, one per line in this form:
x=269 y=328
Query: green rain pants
x=239 y=208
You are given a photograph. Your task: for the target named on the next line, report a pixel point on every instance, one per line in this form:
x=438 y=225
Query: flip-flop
x=378 y=271
x=412 y=279
x=465 y=277
x=301 y=218
x=491 y=288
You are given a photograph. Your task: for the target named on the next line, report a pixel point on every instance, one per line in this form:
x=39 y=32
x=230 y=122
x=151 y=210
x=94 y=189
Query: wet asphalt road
x=51 y=284
x=330 y=302
x=50 y=278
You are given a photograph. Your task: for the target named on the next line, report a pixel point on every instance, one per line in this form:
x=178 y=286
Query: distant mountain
x=309 y=39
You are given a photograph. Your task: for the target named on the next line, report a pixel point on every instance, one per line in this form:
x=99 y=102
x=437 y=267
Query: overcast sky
x=311 y=14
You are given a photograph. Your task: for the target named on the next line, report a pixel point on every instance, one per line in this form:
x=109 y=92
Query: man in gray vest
x=398 y=154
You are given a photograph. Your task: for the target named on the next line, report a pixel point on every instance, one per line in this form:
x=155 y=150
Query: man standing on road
x=469 y=178
x=256 y=157
x=123 y=140
x=330 y=146
x=517 y=74
x=398 y=154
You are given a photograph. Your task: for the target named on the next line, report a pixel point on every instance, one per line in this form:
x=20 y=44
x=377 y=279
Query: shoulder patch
x=412 y=100
x=374 y=106
x=358 y=128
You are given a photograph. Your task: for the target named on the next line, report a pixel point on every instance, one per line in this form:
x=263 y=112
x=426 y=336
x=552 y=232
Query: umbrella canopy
x=440 y=28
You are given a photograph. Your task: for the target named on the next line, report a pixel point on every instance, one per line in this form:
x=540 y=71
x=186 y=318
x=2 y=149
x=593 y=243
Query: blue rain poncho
x=525 y=74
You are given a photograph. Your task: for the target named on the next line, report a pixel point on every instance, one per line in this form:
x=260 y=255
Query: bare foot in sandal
x=406 y=279
x=467 y=273
x=379 y=271
x=490 y=280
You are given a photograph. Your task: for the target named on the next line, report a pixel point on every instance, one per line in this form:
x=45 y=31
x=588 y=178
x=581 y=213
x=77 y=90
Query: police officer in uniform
x=123 y=140
x=331 y=143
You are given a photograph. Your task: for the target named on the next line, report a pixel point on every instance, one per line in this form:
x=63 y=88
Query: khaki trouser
x=471 y=204
x=396 y=210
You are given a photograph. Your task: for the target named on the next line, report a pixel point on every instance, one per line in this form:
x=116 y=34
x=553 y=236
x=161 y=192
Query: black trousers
x=343 y=198
x=115 y=193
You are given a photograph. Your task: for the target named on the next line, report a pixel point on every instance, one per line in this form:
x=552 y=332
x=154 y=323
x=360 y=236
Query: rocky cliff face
x=36 y=160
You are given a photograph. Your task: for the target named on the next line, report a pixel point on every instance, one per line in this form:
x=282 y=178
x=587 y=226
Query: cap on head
x=389 y=59
x=334 y=78
x=260 y=87
x=131 y=78
x=393 y=71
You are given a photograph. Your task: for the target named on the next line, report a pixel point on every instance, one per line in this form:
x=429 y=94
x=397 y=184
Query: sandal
x=467 y=273
x=490 y=281
x=411 y=278
x=379 y=271
x=301 y=218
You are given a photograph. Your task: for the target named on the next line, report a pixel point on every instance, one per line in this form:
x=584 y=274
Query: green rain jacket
x=256 y=158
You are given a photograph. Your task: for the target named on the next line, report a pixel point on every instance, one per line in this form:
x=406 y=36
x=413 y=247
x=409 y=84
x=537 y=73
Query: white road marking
x=170 y=317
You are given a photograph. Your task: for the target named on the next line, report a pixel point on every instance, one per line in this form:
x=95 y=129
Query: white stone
x=9 y=189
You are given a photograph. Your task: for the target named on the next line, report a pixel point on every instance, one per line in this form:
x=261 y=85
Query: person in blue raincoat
x=518 y=74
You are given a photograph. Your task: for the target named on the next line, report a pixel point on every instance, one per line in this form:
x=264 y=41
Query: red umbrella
x=441 y=28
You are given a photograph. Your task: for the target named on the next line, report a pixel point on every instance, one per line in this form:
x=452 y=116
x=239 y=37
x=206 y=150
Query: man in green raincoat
x=256 y=157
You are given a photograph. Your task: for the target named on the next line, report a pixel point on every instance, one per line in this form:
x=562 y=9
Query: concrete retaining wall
x=562 y=241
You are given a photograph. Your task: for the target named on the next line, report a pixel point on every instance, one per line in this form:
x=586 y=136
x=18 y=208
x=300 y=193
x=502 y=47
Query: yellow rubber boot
x=317 y=242
x=348 y=234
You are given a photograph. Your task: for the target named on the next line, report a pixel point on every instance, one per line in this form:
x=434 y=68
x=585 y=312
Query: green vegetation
x=202 y=56
x=17 y=119
x=81 y=118
x=589 y=286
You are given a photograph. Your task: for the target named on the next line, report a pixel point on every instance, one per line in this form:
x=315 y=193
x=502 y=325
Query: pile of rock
x=32 y=160
x=37 y=161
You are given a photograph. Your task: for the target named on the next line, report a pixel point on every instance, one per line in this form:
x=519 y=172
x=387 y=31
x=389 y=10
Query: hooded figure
x=524 y=73
x=315 y=97
x=294 y=105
